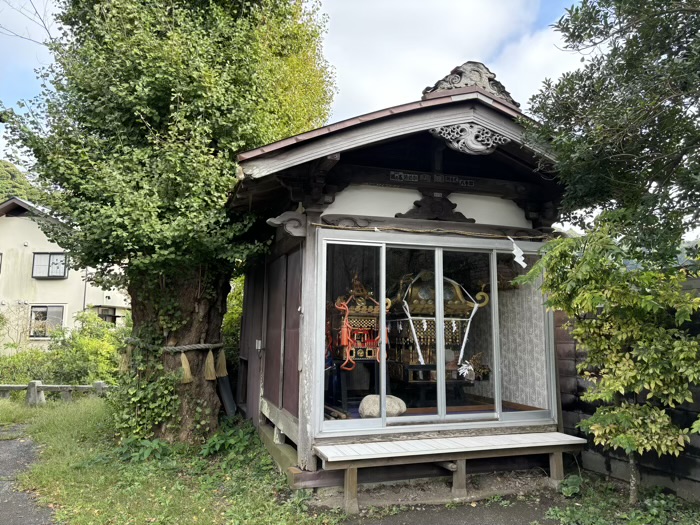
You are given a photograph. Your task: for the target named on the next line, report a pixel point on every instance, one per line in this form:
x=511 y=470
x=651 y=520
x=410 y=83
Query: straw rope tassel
x=209 y=367
x=186 y=372
x=221 y=365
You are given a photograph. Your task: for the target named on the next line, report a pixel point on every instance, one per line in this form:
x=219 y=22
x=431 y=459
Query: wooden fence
x=35 y=391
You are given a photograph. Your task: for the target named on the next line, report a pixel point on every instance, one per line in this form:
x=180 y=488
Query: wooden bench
x=443 y=451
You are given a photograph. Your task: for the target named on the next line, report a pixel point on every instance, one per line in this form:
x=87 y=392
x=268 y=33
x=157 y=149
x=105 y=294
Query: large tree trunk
x=189 y=309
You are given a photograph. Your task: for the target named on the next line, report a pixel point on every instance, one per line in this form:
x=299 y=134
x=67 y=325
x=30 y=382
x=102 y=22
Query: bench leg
x=350 y=491
x=556 y=468
x=459 y=479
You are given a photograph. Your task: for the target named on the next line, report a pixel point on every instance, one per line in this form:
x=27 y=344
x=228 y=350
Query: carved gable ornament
x=434 y=206
x=472 y=74
x=470 y=138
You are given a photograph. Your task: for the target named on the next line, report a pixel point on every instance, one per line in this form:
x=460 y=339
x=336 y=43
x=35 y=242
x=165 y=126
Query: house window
x=50 y=266
x=441 y=327
x=108 y=314
x=45 y=319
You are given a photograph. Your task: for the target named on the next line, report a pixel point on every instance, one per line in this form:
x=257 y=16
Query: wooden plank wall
x=290 y=384
x=680 y=474
x=248 y=387
x=274 y=337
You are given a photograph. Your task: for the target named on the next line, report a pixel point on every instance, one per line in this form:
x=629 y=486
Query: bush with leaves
x=629 y=317
x=232 y=321
x=81 y=355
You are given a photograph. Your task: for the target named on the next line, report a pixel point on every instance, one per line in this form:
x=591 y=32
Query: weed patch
x=14 y=413
x=600 y=504
x=90 y=479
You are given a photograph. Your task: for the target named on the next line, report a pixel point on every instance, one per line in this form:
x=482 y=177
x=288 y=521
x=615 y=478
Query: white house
x=38 y=289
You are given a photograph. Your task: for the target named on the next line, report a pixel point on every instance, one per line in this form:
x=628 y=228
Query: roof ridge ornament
x=472 y=74
x=472 y=139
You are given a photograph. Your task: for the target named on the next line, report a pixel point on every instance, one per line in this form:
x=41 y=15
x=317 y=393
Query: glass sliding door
x=353 y=319
x=440 y=350
x=428 y=334
x=412 y=349
x=468 y=334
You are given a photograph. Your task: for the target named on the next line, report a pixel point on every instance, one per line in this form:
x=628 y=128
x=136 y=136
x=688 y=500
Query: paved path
x=16 y=454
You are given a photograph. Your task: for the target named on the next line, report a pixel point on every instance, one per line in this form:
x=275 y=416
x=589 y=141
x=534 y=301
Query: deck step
x=438 y=446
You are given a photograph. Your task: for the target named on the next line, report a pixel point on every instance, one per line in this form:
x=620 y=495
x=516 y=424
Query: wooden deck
x=451 y=453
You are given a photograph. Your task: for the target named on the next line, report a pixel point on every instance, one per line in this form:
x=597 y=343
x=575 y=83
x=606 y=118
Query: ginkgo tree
x=135 y=134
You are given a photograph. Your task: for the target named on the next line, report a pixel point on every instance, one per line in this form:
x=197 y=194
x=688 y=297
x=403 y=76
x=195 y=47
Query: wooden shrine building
x=383 y=328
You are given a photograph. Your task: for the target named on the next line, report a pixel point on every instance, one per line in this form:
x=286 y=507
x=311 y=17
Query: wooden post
x=309 y=351
x=459 y=479
x=350 y=492
x=35 y=396
x=556 y=468
x=278 y=436
x=99 y=388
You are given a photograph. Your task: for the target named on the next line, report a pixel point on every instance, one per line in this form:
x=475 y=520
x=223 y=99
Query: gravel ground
x=514 y=498
x=16 y=454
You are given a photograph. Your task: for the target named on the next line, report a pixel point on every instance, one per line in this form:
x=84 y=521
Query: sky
x=384 y=52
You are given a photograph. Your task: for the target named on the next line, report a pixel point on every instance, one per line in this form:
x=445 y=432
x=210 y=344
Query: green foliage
x=232 y=320
x=137 y=132
x=133 y=448
x=636 y=428
x=14 y=183
x=232 y=438
x=90 y=351
x=600 y=505
x=138 y=129
x=624 y=128
x=629 y=318
x=88 y=481
x=571 y=486
x=144 y=400
x=12 y=413
x=78 y=356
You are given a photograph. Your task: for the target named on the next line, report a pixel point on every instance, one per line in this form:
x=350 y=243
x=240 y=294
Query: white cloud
x=385 y=52
x=523 y=64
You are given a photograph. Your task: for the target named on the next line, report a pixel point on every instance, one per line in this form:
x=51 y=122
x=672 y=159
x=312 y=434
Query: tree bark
x=634 y=479
x=184 y=309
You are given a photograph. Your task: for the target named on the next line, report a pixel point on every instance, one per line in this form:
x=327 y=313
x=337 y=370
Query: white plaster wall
x=372 y=201
x=20 y=238
x=490 y=210
x=377 y=201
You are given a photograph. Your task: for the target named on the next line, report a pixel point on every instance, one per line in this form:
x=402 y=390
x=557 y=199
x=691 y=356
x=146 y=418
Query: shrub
x=87 y=353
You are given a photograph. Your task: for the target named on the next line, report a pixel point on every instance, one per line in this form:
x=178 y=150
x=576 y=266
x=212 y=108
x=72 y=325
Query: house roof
x=16 y=206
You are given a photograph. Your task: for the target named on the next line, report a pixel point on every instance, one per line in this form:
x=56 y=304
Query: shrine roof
x=468 y=93
x=468 y=83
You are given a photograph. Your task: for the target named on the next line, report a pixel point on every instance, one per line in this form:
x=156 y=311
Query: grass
x=88 y=479
x=604 y=503
x=13 y=413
